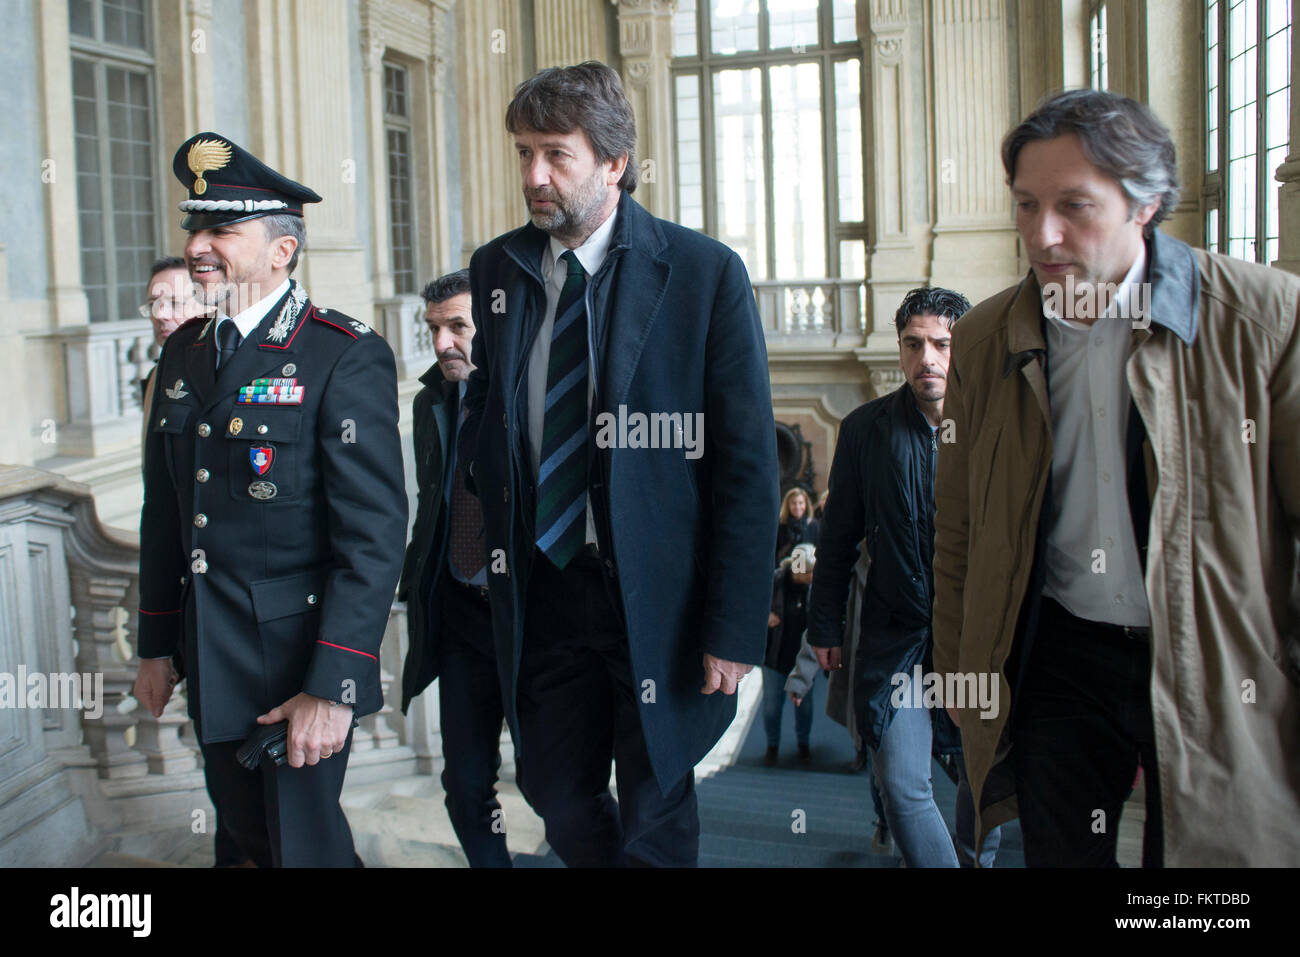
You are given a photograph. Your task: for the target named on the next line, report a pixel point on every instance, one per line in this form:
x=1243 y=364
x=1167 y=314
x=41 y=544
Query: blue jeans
x=966 y=824
x=774 y=698
x=902 y=768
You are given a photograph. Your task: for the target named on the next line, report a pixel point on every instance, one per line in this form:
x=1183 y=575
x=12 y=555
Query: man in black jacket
x=635 y=573
x=444 y=583
x=881 y=489
x=274 y=513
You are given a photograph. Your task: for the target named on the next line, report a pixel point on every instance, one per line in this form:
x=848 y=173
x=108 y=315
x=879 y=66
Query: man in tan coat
x=1118 y=513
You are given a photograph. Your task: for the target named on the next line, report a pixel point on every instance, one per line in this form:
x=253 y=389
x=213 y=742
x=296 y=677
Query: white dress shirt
x=247 y=320
x=591 y=254
x=1090 y=527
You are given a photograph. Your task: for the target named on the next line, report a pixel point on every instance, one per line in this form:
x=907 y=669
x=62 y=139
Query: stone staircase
x=398 y=822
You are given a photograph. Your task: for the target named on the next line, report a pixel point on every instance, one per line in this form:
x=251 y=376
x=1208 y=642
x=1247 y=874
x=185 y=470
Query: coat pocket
x=296 y=594
x=264 y=453
x=287 y=610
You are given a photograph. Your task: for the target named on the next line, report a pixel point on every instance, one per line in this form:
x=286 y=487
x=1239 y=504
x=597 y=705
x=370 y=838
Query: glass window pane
x=1212 y=230
x=1278 y=15
x=738 y=148
x=690 y=157
x=792 y=23
x=395 y=102
x=799 y=218
x=845 y=21
x=1278 y=62
x=853 y=265
x=848 y=140
x=685 y=29
x=734 y=24
x=1237 y=27
x=81 y=18
x=401 y=227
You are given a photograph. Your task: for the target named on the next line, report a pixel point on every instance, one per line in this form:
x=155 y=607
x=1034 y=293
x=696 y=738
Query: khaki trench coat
x=1216 y=379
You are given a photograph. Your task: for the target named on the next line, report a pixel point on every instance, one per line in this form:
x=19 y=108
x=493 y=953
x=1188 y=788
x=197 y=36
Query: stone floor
x=747 y=812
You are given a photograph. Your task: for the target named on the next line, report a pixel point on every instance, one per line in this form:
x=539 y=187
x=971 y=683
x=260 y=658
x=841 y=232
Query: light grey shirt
x=1092 y=562
x=591 y=254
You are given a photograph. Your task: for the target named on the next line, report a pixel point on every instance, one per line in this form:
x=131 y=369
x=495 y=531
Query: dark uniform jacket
x=271 y=536
x=673 y=328
x=881 y=489
x=435 y=412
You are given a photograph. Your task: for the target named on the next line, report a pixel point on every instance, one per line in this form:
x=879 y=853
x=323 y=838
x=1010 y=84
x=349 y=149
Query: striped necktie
x=562 y=476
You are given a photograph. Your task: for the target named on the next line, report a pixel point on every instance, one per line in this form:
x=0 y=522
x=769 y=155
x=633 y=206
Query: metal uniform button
x=200 y=520
x=262 y=430
x=200 y=567
x=162 y=421
x=201 y=476
x=311 y=599
x=204 y=430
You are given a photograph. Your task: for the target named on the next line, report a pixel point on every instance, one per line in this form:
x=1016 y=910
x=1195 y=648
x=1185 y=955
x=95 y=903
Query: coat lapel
x=200 y=362
x=1026 y=347
x=639 y=287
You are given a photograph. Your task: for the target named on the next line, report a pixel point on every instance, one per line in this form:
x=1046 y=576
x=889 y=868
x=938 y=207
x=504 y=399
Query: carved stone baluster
x=99 y=626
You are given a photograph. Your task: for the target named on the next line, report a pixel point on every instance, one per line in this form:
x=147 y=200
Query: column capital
x=647 y=7
x=372 y=53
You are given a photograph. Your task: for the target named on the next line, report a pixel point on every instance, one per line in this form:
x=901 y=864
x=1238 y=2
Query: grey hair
x=1120 y=136
x=287 y=224
x=588 y=97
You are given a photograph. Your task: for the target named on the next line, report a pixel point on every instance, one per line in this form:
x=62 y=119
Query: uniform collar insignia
x=283 y=326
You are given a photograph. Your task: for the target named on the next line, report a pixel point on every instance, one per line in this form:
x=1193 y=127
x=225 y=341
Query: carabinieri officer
x=274 y=513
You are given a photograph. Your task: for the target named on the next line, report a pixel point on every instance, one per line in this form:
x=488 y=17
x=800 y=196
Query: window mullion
x=830 y=164
x=1225 y=90
x=1261 y=128
x=708 y=155
x=769 y=163
x=107 y=224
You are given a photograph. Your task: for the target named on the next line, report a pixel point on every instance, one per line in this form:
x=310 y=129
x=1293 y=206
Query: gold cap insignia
x=205 y=156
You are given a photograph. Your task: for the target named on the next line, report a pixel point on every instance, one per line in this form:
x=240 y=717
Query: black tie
x=228 y=340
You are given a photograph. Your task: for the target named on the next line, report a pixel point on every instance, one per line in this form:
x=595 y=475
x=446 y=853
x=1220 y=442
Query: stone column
x=646 y=45
x=568 y=32
x=442 y=42
x=1171 y=83
x=1288 y=174
x=492 y=65
x=299 y=61
x=975 y=242
x=897 y=156
x=372 y=79
x=1052 y=54
x=58 y=170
